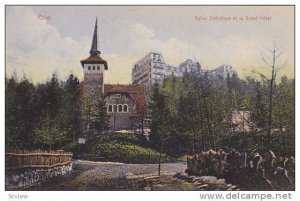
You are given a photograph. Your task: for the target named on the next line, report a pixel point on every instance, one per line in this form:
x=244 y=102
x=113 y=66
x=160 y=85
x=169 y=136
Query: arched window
x=98 y=68
x=120 y=108
x=110 y=108
x=93 y=67
x=115 y=108
x=125 y=108
x=89 y=68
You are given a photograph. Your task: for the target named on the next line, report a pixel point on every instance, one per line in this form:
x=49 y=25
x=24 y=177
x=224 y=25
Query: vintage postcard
x=150 y=98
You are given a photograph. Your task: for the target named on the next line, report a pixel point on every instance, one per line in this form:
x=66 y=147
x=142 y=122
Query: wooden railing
x=18 y=159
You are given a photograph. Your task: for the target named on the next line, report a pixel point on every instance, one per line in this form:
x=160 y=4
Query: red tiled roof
x=93 y=58
x=137 y=92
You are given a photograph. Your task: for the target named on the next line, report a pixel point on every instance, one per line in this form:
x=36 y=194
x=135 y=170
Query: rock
x=202 y=186
x=229 y=185
x=199 y=179
x=220 y=182
x=16 y=178
x=177 y=175
x=148 y=188
x=232 y=188
x=208 y=179
x=197 y=183
x=182 y=175
x=191 y=178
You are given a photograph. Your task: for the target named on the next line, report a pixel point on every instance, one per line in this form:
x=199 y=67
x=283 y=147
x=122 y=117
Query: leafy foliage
x=45 y=115
x=195 y=114
x=127 y=148
x=127 y=153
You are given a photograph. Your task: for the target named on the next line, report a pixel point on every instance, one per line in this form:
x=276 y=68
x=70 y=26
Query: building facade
x=124 y=103
x=149 y=70
x=152 y=69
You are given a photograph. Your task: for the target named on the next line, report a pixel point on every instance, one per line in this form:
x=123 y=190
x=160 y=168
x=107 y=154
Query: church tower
x=93 y=68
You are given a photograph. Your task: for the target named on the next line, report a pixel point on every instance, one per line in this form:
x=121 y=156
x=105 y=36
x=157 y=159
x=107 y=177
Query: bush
x=127 y=153
x=126 y=148
x=71 y=147
x=123 y=139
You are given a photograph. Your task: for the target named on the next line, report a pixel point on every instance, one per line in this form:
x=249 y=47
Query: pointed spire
x=94 y=48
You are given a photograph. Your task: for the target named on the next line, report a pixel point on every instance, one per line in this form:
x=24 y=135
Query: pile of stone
x=24 y=178
x=255 y=171
x=207 y=182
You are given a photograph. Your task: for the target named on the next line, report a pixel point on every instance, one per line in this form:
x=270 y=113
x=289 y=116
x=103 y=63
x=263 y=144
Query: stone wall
x=23 y=178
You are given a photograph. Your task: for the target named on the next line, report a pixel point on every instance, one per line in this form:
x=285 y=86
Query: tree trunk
x=208 y=124
x=271 y=102
x=160 y=156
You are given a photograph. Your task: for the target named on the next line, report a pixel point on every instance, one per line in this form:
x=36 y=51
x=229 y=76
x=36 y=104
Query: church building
x=125 y=104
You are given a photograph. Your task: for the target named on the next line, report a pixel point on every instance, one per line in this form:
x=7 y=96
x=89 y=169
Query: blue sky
x=41 y=40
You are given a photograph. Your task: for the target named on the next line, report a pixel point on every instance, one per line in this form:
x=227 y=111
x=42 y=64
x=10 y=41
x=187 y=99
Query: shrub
x=127 y=153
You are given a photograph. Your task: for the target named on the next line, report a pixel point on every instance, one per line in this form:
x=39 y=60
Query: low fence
x=24 y=168
x=17 y=159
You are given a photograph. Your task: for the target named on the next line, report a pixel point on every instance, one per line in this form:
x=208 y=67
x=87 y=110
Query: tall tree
x=20 y=112
x=99 y=118
x=270 y=59
x=72 y=107
x=160 y=127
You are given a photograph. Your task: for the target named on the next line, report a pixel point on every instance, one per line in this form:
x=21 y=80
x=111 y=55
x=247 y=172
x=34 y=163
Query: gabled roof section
x=136 y=92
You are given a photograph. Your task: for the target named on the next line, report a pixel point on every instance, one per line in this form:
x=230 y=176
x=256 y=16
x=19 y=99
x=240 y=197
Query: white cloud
x=37 y=48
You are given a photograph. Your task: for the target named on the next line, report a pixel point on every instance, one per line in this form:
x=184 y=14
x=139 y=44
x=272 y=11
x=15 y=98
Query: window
x=93 y=67
x=120 y=108
x=110 y=108
x=115 y=108
x=125 y=108
x=89 y=68
x=118 y=96
x=98 y=68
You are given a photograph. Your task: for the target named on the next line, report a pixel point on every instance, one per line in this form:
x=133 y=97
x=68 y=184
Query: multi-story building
x=149 y=70
x=153 y=69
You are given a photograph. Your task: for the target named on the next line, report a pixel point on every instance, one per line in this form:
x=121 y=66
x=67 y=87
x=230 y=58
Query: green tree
x=49 y=132
x=160 y=127
x=99 y=116
x=20 y=112
x=72 y=101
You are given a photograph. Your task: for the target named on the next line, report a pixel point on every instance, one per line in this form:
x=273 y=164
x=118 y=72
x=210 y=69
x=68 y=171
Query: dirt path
x=88 y=175
x=106 y=176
